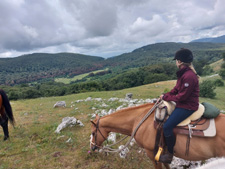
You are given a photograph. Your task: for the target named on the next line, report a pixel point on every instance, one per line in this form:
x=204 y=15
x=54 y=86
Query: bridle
x=95 y=135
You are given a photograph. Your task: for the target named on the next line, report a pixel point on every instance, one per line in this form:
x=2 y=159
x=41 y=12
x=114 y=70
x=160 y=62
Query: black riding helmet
x=184 y=55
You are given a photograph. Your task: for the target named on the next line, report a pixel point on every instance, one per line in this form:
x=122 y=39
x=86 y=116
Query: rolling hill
x=42 y=66
x=164 y=53
x=220 y=39
x=37 y=66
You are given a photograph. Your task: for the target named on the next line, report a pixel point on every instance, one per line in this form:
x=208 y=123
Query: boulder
x=68 y=122
x=60 y=104
x=129 y=96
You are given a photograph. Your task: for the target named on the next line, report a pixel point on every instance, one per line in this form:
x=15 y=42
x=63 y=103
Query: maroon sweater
x=186 y=91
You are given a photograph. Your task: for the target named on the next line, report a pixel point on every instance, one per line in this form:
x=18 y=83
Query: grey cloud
x=98 y=17
x=35 y=24
x=104 y=27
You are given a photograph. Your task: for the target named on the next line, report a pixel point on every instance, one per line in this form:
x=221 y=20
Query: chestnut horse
x=5 y=113
x=125 y=121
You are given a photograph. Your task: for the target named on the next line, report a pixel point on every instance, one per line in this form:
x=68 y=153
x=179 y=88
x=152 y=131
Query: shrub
x=219 y=82
x=207 y=88
x=207 y=70
x=151 y=78
x=223 y=56
x=223 y=66
x=222 y=73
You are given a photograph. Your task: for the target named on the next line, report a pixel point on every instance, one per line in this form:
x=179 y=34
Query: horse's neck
x=124 y=121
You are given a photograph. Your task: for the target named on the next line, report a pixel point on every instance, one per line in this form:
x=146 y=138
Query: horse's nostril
x=94 y=148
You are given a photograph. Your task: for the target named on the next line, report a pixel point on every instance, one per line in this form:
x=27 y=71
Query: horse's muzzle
x=94 y=148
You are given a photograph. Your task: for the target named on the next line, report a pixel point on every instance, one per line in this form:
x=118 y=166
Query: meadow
x=77 y=77
x=34 y=144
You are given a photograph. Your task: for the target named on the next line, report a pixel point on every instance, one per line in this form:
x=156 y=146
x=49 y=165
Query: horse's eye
x=93 y=133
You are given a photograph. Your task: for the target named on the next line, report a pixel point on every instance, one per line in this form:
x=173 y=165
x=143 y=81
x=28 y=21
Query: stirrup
x=158 y=154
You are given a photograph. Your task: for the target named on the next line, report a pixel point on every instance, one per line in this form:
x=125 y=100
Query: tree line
x=44 y=66
x=102 y=82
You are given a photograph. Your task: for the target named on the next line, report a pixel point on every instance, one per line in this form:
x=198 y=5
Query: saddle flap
x=202 y=124
x=204 y=128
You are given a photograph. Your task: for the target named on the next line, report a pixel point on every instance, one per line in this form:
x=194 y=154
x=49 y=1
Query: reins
x=97 y=129
x=108 y=148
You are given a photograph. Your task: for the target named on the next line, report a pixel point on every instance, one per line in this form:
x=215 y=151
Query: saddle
x=194 y=125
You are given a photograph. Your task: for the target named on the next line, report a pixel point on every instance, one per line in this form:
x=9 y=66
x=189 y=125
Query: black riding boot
x=168 y=157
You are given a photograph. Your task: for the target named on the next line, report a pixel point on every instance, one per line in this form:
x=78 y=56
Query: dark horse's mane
x=8 y=108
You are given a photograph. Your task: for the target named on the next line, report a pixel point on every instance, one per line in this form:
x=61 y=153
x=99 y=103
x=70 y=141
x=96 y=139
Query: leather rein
x=95 y=134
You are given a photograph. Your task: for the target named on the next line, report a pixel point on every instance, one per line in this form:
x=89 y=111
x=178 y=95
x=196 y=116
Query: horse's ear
x=97 y=116
x=93 y=122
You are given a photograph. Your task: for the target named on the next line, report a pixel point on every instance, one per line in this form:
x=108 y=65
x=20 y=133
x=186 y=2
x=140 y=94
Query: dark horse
x=6 y=113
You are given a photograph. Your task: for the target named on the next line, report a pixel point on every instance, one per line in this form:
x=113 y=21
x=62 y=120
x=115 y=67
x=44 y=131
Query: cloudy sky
x=104 y=27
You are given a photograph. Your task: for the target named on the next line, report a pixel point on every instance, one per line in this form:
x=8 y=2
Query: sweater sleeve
x=174 y=91
x=186 y=88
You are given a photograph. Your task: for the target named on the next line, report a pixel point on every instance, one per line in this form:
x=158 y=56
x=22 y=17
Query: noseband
x=95 y=134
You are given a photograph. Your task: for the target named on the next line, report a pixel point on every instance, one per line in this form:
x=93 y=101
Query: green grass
x=78 y=77
x=216 y=66
x=33 y=143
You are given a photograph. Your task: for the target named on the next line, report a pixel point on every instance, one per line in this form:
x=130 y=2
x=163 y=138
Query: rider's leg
x=178 y=115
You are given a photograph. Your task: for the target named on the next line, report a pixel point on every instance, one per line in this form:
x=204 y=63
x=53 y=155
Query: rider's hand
x=161 y=97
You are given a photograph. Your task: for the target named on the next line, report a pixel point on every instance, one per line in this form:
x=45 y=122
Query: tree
x=219 y=82
x=13 y=95
x=222 y=73
x=207 y=70
x=223 y=55
x=207 y=88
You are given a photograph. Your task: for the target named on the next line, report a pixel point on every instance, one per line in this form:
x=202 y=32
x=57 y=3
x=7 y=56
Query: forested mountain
x=220 y=39
x=164 y=53
x=39 y=66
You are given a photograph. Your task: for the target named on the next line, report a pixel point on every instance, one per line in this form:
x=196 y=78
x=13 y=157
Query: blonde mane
x=124 y=110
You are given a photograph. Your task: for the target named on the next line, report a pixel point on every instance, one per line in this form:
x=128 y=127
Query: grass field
x=216 y=66
x=78 y=77
x=34 y=144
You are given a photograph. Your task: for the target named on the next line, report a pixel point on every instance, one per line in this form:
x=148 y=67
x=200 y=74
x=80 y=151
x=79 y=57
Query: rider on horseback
x=186 y=96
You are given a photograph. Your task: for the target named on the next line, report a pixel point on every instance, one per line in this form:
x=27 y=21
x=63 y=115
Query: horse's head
x=98 y=134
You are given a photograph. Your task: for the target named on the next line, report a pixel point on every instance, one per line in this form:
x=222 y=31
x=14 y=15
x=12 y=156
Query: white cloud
x=142 y=28
x=104 y=28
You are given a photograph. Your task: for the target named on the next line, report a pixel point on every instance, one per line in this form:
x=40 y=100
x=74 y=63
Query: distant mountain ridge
x=164 y=53
x=40 y=66
x=37 y=66
x=220 y=39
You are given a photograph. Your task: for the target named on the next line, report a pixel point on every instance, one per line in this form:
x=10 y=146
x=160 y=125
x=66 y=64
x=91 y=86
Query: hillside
x=34 y=144
x=42 y=66
x=216 y=66
x=164 y=52
x=220 y=39
x=37 y=66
